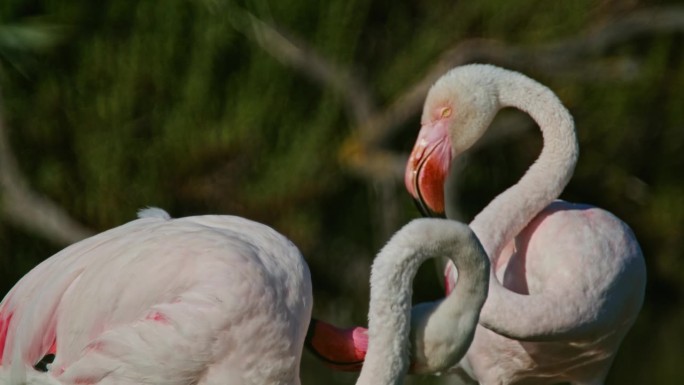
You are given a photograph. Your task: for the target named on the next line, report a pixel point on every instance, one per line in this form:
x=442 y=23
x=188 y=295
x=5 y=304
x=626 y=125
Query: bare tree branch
x=25 y=208
x=298 y=55
x=363 y=152
x=622 y=28
x=562 y=58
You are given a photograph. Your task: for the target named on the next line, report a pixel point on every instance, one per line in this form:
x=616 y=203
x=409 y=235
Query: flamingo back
x=176 y=301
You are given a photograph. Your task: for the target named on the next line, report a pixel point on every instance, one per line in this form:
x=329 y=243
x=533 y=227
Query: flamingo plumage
x=161 y=300
x=216 y=300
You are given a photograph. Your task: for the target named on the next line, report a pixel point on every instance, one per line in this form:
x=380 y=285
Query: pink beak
x=340 y=349
x=428 y=167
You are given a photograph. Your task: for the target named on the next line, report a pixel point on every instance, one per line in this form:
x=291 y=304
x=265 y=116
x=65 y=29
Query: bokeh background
x=300 y=115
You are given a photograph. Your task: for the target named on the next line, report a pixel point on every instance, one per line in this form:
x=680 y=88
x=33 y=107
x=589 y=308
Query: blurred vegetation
x=116 y=105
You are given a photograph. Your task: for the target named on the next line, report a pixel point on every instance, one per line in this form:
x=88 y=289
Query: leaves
x=20 y=42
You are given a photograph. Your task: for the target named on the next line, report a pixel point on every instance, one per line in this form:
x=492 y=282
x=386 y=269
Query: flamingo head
x=429 y=164
x=457 y=111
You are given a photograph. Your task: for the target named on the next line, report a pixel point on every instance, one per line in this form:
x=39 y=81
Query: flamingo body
x=549 y=258
x=200 y=300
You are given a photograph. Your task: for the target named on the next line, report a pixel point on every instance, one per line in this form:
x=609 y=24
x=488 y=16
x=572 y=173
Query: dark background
x=301 y=115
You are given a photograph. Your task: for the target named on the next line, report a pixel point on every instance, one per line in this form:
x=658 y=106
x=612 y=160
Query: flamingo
x=218 y=299
x=567 y=280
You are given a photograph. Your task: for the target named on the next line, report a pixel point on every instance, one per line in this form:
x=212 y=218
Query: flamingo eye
x=445 y=112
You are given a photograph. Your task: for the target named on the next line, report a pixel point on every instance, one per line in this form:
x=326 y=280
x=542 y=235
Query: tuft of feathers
x=153 y=212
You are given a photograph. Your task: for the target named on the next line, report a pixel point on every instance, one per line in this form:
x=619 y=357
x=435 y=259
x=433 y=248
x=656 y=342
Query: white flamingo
x=217 y=300
x=568 y=279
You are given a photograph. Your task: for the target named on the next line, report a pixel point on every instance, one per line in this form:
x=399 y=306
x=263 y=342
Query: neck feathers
x=390 y=304
x=507 y=215
x=544 y=181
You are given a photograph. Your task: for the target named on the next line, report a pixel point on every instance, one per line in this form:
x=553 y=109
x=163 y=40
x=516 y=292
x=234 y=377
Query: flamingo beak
x=428 y=167
x=339 y=349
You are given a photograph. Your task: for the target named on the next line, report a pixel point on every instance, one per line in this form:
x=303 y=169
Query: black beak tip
x=425 y=211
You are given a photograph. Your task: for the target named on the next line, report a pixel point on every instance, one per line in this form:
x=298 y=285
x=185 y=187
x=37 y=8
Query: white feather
x=153 y=212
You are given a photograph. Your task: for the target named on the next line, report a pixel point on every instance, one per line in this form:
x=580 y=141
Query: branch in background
x=625 y=27
x=296 y=54
x=363 y=152
x=29 y=210
x=563 y=58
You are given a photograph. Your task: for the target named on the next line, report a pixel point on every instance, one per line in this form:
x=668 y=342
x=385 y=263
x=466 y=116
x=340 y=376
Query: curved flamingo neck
x=512 y=210
x=443 y=330
x=389 y=316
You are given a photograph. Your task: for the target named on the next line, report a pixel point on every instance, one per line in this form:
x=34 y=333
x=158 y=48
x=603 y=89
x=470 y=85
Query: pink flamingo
x=567 y=280
x=217 y=300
